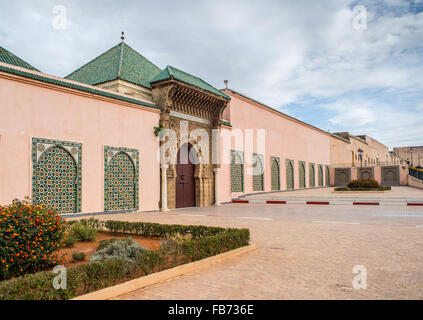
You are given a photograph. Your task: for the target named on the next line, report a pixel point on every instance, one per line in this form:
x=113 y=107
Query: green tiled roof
x=120 y=62
x=75 y=86
x=226 y=123
x=10 y=58
x=172 y=73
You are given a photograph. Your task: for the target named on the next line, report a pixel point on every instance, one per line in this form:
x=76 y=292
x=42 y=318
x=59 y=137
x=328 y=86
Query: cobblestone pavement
x=305 y=252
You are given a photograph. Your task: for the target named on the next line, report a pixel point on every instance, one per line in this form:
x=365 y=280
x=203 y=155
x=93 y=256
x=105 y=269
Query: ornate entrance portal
x=185 y=181
x=191 y=110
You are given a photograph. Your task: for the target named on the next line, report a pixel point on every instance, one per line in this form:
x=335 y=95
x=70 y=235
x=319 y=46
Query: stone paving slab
x=300 y=256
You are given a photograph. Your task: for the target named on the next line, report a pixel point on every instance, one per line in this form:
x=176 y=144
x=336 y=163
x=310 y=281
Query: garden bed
x=362 y=186
x=181 y=245
x=89 y=248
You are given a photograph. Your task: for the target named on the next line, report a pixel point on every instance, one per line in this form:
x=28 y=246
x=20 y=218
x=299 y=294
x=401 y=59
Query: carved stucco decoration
x=172 y=95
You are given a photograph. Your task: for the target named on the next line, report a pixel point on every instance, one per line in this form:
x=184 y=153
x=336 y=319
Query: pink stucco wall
x=284 y=138
x=403 y=175
x=29 y=110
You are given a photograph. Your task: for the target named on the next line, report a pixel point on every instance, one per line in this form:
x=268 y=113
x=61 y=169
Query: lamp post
x=360 y=154
x=411 y=152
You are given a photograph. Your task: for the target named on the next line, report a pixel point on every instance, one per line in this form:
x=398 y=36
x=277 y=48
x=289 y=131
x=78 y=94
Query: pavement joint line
x=254 y=218
x=192 y=215
x=336 y=222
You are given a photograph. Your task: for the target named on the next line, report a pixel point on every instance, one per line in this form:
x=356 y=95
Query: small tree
x=29 y=236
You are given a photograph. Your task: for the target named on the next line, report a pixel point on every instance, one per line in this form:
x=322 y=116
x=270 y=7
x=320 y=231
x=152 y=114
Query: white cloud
x=275 y=51
x=354 y=117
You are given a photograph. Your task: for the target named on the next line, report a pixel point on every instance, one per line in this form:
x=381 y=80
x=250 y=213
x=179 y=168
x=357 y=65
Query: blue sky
x=301 y=57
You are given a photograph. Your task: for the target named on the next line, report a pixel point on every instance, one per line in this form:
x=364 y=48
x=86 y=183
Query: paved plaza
x=305 y=252
x=402 y=192
x=397 y=196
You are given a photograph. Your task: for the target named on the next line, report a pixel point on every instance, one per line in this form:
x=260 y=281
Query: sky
x=340 y=65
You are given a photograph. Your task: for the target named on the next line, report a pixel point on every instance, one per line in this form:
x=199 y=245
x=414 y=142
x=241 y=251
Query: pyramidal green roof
x=10 y=58
x=120 y=62
x=172 y=73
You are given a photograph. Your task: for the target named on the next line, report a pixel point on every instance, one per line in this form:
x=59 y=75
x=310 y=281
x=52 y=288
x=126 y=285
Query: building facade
x=121 y=134
x=413 y=155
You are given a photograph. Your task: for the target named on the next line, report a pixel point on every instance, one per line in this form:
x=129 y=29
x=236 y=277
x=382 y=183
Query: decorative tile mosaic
x=237 y=171
x=258 y=172
x=320 y=173
x=289 y=174
x=312 y=175
x=121 y=172
x=302 y=174
x=276 y=173
x=327 y=175
x=56 y=177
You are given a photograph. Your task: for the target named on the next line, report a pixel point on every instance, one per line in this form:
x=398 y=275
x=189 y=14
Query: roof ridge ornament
x=226 y=83
x=122 y=36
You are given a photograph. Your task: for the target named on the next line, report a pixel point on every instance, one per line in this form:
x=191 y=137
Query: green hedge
x=82 y=279
x=160 y=230
x=383 y=188
x=365 y=183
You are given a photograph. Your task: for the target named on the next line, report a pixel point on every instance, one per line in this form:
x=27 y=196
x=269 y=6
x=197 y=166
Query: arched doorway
x=185 y=181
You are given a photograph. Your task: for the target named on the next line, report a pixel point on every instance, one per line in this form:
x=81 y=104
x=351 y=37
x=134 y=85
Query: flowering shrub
x=204 y=242
x=29 y=236
x=366 y=184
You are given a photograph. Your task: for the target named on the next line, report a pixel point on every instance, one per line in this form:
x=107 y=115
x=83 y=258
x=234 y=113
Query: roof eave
x=172 y=79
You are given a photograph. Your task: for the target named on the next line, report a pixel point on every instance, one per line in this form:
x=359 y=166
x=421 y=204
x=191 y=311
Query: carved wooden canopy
x=178 y=96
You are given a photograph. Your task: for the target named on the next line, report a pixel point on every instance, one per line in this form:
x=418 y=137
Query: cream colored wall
x=373 y=152
x=129 y=89
x=416 y=156
x=30 y=109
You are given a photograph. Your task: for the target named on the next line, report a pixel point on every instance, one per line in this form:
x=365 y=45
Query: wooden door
x=185 y=181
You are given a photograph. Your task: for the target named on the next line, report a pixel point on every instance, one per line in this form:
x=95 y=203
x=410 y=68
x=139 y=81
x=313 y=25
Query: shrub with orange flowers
x=30 y=235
